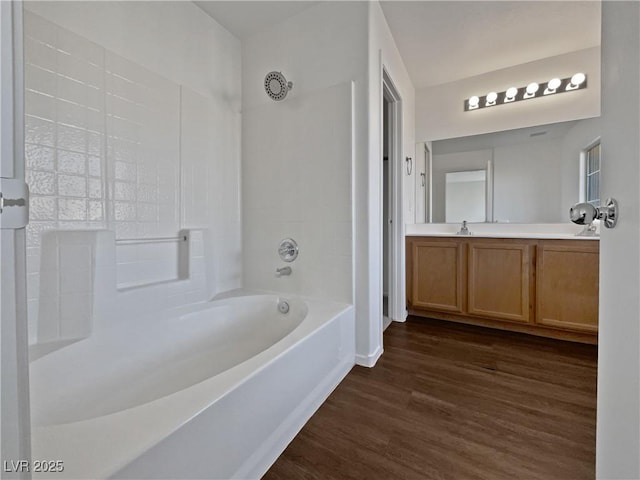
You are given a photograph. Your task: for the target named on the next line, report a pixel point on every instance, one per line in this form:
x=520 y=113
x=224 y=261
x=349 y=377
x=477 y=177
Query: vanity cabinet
x=500 y=279
x=567 y=285
x=439 y=275
x=542 y=287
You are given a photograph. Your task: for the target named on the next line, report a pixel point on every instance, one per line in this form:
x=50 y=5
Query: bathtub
x=215 y=390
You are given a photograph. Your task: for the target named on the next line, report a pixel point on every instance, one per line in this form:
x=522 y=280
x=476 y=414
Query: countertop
x=549 y=231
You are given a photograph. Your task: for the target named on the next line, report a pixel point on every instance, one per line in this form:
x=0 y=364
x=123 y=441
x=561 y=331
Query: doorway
x=391 y=201
x=386 y=212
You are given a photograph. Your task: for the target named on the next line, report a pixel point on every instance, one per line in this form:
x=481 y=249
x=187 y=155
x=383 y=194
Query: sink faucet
x=464 y=230
x=283 y=271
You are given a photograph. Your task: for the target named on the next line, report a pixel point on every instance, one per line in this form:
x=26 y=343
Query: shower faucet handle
x=288 y=250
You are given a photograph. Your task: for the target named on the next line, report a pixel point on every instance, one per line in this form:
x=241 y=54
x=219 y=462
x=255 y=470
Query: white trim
x=14 y=362
x=370 y=359
x=582 y=174
x=428 y=187
x=489 y=192
x=7 y=97
x=396 y=241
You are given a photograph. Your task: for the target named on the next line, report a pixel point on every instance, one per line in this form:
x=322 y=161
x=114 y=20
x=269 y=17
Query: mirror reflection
x=465 y=196
x=527 y=175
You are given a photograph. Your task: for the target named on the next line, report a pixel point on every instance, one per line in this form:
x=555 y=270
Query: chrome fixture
x=585 y=213
x=532 y=90
x=464 y=230
x=409 y=163
x=283 y=306
x=283 y=271
x=288 y=250
x=277 y=86
x=14 y=203
x=128 y=241
x=588 y=231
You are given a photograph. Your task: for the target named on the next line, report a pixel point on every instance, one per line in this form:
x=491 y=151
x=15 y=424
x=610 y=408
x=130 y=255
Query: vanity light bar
x=533 y=90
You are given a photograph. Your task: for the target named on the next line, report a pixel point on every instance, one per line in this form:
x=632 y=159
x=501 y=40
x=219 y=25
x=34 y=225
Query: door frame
x=388 y=90
x=15 y=440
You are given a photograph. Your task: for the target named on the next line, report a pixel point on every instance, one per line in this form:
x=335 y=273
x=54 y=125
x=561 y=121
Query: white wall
x=383 y=53
x=440 y=113
x=119 y=137
x=618 y=425
x=319 y=47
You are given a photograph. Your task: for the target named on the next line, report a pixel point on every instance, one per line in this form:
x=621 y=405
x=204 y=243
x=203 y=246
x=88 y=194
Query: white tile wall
x=297 y=164
x=103 y=151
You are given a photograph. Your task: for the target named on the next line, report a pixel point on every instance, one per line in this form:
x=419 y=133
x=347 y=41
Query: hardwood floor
x=449 y=401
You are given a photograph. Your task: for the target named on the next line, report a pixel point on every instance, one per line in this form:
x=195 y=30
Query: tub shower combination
x=156 y=380
x=215 y=389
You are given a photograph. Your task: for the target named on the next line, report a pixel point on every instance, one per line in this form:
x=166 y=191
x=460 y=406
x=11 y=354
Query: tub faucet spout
x=283 y=271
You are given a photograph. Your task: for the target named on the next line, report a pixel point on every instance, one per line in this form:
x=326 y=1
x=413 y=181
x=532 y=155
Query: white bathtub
x=215 y=390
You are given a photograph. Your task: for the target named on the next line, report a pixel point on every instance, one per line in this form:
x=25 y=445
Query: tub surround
x=79 y=287
x=151 y=368
x=546 y=286
x=118 y=136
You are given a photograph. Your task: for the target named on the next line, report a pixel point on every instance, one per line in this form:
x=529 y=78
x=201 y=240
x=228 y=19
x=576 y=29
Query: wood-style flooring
x=449 y=401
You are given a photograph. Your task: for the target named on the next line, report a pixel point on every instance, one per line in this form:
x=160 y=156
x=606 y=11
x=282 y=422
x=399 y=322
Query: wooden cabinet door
x=567 y=285
x=499 y=280
x=438 y=275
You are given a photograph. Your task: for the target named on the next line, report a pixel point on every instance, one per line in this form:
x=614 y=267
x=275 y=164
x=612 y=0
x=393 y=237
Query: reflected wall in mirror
x=533 y=174
x=465 y=196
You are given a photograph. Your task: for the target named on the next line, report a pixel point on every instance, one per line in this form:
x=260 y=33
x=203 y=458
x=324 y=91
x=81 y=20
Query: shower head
x=277 y=86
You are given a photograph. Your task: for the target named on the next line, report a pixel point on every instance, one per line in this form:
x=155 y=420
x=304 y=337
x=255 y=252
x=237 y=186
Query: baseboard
x=261 y=460
x=369 y=360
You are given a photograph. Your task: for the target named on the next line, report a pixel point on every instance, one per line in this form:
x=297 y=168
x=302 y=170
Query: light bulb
x=577 y=79
x=554 y=83
x=474 y=102
x=491 y=98
x=532 y=88
x=511 y=94
x=552 y=86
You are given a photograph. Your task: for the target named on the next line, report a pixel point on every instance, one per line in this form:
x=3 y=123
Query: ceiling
x=445 y=41
x=244 y=18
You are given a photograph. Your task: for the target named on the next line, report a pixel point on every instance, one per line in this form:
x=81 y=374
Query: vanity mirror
x=527 y=175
